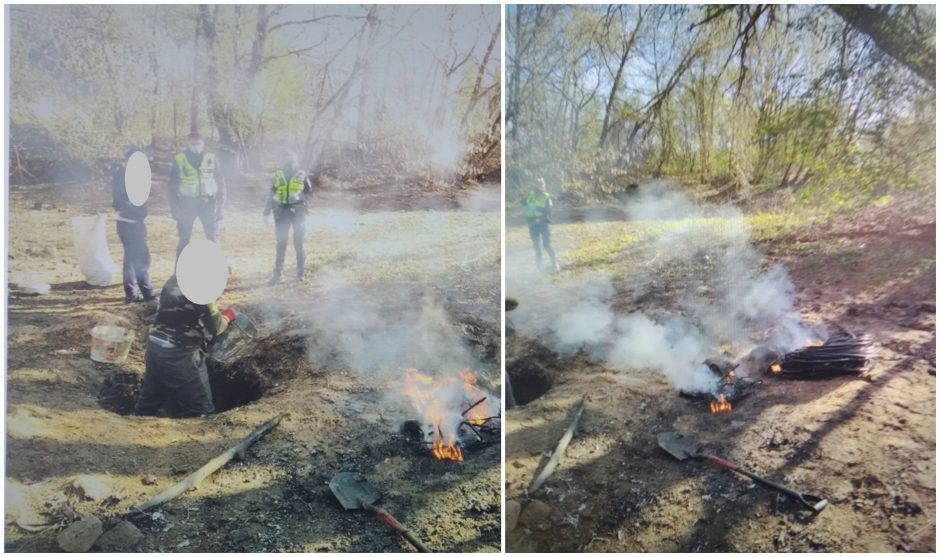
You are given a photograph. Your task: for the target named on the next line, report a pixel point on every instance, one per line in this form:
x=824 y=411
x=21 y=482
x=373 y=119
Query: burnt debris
x=841 y=354
x=730 y=387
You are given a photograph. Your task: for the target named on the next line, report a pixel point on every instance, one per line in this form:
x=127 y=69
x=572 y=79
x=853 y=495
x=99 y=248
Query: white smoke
x=381 y=333
x=727 y=301
x=674 y=348
x=585 y=324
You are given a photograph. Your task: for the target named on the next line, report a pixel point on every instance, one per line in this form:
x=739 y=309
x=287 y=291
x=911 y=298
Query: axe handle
x=390 y=521
x=812 y=502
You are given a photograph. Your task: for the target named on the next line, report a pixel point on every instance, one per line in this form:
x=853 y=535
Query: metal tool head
x=353 y=491
x=679 y=446
x=814 y=503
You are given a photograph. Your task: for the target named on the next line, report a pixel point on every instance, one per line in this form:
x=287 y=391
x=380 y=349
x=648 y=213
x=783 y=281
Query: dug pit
x=531 y=367
x=262 y=369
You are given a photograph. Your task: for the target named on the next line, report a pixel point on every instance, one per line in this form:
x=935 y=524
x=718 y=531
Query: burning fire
x=448 y=451
x=720 y=405
x=775 y=367
x=444 y=404
x=815 y=343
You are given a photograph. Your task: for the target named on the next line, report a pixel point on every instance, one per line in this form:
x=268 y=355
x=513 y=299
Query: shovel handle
x=815 y=504
x=390 y=521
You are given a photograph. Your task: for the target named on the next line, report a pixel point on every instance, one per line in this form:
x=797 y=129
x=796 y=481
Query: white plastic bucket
x=110 y=344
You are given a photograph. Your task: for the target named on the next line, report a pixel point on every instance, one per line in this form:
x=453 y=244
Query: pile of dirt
x=263 y=368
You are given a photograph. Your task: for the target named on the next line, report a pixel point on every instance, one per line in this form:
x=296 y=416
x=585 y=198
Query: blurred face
x=196 y=146
x=541 y=185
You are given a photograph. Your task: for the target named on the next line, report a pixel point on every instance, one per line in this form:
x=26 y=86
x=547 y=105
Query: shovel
x=684 y=448
x=354 y=493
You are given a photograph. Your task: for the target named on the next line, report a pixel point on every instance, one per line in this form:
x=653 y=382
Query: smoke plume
x=726 y=300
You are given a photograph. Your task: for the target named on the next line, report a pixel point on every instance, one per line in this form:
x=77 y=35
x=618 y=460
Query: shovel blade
x=353 y=491
x=677 y=445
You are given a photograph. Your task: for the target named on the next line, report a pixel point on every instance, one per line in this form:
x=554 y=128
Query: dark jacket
x=120 y=201
x=184 y=323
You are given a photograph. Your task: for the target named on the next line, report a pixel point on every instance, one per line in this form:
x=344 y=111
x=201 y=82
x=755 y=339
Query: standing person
x=196 y=190
x=132 y=231
x=175 y=362
x=538 y=214
x=288 y=201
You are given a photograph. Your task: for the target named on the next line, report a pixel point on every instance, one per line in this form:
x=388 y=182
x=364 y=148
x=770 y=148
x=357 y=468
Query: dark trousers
x=176 y=374
x=133 y=237
x=191 y=208
x=284 y=219
x=541 y=235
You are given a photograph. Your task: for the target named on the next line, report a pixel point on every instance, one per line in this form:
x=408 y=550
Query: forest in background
x=411 y=92
x=833 y=103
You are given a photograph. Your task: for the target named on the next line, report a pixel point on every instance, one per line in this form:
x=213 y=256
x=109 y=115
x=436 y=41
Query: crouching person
x=176 y=368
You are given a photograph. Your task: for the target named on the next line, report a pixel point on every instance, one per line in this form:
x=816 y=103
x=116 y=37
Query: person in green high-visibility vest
x=196 y=190
x=537 y=209
x=288 y=202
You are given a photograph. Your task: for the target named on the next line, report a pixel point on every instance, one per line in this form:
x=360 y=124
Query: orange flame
x=720 y=405
x=439 y=401
x=815 y=342
x=775 y=367
x=449 y=451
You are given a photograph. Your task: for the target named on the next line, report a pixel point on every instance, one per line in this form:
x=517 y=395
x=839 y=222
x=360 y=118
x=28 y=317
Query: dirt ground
x=866 y=443
x=69 y=452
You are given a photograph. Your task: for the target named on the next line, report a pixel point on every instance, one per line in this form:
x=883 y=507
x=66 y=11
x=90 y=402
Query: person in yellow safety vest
x=196 y=190
x=288 y=201
x=537 y=209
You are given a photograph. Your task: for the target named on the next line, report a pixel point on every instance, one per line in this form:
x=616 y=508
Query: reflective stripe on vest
x=197 y=182
x=287 y=193
x=535 y=204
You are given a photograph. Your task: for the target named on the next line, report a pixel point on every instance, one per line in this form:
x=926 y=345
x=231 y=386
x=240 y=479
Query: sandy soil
x=60 y=434
x=867 y=443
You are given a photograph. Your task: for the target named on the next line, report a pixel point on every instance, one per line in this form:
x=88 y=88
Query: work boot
x=133 y=299
x=275 y=279
x=301 y=276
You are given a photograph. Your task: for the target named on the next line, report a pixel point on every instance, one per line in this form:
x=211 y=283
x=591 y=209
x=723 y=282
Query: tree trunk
x=219 y=112
x=194 y=99
x=363 y=119
x=605 y=126
x=627 y=48
x=155 y=70
x=478 y=83
x=257 y=45
x=892 y=37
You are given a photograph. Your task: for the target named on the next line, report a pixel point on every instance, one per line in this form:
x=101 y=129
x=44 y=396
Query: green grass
x=601 y=245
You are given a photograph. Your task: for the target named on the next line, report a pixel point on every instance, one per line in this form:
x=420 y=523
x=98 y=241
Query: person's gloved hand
x=229 y=314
